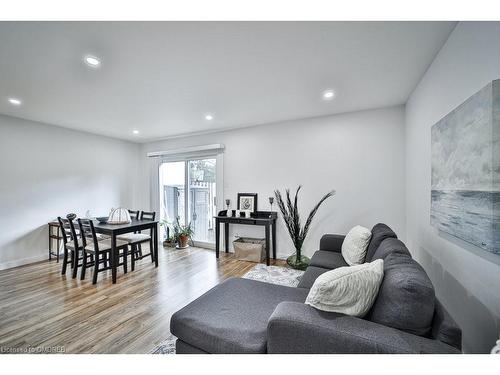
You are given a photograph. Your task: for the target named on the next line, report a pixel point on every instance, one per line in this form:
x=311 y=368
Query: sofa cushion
x=389 y=246
x=347 y=290
x=310 y=276
x=406 y=296
x=355 y=245
x=331 y=242
x=134 y=237
x=444 y=327
x=327 y=259
x=232 y=317
x=182 y=347
x=379 y=233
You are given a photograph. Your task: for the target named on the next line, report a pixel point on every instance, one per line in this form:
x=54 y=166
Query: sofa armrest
x=299 y=328
x=331 y=242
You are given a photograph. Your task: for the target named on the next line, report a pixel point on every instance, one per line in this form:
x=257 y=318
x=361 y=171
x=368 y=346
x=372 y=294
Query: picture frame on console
x=247 y=201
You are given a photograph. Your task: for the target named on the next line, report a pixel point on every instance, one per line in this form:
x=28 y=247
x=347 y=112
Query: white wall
x=48 y=171
x=361 y=155
x=467 y=279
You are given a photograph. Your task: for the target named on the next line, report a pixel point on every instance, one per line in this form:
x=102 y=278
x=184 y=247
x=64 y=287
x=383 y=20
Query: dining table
x=114 y=230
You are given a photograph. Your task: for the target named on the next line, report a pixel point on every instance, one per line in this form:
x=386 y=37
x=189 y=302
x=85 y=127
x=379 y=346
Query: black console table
x=265 y=218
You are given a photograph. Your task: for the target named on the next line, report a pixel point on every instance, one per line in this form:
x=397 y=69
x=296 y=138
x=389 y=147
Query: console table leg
x=58 y=243
x=217 y=238
x=267 y=245
x=226 y=236
x=274 y=240
x=50 y=243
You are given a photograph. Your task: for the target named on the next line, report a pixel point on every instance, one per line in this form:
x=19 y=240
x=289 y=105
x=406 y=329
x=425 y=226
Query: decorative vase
x=298 y=262
x=183 y=241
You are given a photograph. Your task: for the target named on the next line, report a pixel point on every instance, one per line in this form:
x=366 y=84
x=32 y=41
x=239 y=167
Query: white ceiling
x=163 y=77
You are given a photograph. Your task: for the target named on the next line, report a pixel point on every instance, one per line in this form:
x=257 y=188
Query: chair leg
x=84 y=266
x=65 y=261
x=132 y=253
x=125 y=260
x=75 y=265
x=140 y=250
x=96 y=268
x=105 y=258
x=151 y=250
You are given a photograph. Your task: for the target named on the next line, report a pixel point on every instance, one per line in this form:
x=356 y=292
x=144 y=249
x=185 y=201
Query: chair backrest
x=147 y=215
x=65 y=229
x=134 y=215
x=73 y=230
x=87 y=231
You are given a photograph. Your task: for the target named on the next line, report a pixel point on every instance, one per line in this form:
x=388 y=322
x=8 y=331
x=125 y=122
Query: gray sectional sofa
x=248 y=316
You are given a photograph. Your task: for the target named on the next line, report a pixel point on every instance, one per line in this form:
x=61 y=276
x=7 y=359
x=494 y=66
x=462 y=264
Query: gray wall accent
x=46 y=171
x=466 y=278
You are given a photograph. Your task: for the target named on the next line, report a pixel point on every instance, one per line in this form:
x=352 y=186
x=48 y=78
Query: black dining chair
x=97 y=252
x=71 y=247
x=136 y=239
x=134 y=215
x=79 y=254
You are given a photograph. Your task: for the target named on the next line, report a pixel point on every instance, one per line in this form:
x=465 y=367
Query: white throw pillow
x=355 y=245
x=347 y=290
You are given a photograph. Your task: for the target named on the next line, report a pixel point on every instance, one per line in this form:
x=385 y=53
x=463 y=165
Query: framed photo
x=247 y=201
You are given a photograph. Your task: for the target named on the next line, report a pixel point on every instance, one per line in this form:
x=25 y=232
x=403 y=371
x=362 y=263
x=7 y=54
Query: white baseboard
x=22 y=262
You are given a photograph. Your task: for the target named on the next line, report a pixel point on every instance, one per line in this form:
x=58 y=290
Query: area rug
x=275 y=275
x=272 y=274
x=166 y=347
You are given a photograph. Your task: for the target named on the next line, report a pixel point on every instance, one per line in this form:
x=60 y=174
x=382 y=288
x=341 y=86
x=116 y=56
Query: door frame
x=186 y=157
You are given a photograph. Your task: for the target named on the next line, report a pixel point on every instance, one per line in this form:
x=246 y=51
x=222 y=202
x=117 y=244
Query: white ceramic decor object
x=119 y=215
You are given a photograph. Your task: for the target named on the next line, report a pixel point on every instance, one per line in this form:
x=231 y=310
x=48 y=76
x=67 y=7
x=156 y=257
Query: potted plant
x=182 y=234
x=168 y=236
x=290 y=212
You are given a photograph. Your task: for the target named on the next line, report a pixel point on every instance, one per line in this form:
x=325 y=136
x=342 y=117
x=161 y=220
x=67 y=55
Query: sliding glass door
x=201 y=200
x=172 y=191
x=188 y=193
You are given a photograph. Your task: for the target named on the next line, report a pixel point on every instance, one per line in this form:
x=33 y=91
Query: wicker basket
x=250 y=249
x=119 y=216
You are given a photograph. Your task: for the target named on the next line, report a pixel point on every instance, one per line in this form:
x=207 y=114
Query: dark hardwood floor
x=41 y=309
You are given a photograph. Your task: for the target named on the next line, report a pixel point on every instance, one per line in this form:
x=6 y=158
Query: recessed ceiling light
x=14 y=101
x=209 y=117
x=135 y=131
x=92 y=61
x=328 y=95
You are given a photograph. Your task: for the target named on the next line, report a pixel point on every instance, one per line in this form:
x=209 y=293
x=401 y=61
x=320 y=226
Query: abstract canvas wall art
x=465 y=183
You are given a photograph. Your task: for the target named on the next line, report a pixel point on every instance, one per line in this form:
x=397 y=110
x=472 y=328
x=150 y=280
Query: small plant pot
x=298 y=264
x=183 y=242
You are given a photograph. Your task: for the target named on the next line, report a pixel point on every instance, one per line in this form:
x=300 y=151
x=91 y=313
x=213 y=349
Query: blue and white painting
x=465 y=193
